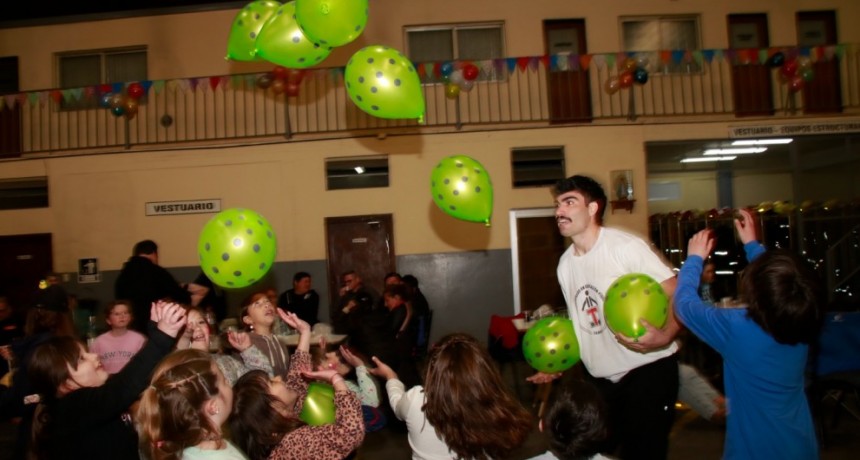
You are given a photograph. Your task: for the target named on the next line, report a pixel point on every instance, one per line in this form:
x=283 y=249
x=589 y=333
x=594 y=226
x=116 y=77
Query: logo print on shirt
x=589 y=305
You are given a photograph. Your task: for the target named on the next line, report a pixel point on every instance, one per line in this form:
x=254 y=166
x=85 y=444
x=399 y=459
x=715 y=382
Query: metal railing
x=539 y=90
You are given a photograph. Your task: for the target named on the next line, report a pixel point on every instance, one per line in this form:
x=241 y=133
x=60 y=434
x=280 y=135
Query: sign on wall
x=795 y=129
x=88 y=270
x=168 y=208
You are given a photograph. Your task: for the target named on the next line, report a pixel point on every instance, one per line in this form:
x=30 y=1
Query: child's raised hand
x=350 y=358
x=745 y=225
x=326 y=375
x=241 y=341
x=701 y=244
x=382 y=370
x=294 y=321
x=172 y=318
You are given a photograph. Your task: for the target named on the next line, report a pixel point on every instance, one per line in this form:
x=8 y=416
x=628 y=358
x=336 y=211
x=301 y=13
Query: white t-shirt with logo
x=584 y=281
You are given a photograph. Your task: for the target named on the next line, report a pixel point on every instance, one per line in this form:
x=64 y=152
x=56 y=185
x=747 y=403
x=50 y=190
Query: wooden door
x=10 y=118
x=537 y=246
x=361 y=243
x=569 y=90
x=751 y=82
x=823 y=94
x=24 y=261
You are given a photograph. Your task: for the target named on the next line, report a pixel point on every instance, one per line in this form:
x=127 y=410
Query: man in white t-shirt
x=638 y=377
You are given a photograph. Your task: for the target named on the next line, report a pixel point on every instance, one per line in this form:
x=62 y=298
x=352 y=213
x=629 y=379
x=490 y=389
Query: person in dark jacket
x=143 y=281
x=83 y=412
x=301 y=299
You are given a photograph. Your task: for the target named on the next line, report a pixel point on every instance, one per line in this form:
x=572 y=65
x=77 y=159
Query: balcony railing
x=538 y=90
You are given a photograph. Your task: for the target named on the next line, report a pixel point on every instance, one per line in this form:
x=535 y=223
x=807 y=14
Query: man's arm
x=656 y=338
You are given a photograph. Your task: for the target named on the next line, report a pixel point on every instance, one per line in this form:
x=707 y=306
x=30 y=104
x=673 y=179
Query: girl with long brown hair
x=464 y=410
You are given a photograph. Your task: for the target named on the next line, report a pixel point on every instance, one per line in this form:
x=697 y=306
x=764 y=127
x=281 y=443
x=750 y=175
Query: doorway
x=361 y=243
x=24 y=261
x=10 y=117
x=822 y=94
x=536 y=247
x=569 y=93
x=751 y=81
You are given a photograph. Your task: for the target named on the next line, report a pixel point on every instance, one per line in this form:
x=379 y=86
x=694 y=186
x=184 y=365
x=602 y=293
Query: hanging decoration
x=632 y=69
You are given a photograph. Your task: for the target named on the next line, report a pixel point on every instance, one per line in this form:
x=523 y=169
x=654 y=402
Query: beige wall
x=194 y=44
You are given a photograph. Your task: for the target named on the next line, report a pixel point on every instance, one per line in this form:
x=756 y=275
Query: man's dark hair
x=588 y=187
x=397 y=290
x=145 y=247
x=300 y=276
x=576 y=422
x=410 y=280
x=784 y=296
x=392 y=275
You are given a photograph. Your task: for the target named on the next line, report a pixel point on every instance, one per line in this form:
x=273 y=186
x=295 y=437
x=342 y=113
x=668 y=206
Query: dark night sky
x=52 y=11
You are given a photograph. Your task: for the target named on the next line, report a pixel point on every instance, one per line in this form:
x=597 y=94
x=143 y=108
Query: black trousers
x=641 y=410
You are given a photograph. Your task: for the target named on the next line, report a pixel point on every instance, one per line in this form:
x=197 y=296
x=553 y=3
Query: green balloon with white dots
x=237 y=248
x=382 y=82
x=634 y=297
x=282 y=42
x=550 y=345
x=462 y=188
x=241 y=43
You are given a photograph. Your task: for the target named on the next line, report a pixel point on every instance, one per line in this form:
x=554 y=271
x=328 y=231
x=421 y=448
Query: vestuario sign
x=169 y=208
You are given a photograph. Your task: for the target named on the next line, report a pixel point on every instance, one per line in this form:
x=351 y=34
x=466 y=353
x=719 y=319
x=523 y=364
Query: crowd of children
x=174 y=393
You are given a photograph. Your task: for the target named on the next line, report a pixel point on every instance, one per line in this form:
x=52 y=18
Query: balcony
x=530 y=91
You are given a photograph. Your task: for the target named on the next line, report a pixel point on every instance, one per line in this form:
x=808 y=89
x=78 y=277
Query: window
x=658 y=33
x=24 y=193
x=472 y=42
x=88 y=68
x=537 y=166
x=356 y=172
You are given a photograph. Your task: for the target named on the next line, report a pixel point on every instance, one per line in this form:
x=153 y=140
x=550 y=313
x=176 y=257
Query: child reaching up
x=764 y=346
x=264 y=422
x=116 y=347
x=357 y=377
x=181 y=413
x=259 y=315
x=83 y=410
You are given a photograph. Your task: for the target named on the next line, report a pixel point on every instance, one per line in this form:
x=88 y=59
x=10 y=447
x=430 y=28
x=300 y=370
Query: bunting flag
x=486 y=66
x=585 y=61
x=43 y=97
x=573 y=62
x=610 y=59
x=534 y=62
x=512 y=64
x=708 y=55
x=192 y=83
x=553 y=62
x=214 y=82
x=422 y=72
x=840 y=51
x=33 y=97
x=146 y=84
x=57 y=96
x=763 y=55
x=500 y=65
x=731 y=55
x=678 y=56
x=10 y=101
x=665 y=56
x=117 y=87
x=698 y=57
x=619 y=58
x=158 y=86
x=522 y=63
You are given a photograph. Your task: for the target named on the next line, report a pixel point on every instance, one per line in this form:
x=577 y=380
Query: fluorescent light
x=710 y=158
x=359 y=169
x=735 y=151
x=762 y=141
x=724 y=272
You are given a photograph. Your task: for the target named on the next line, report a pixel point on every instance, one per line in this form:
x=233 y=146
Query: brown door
x=569 y=93
x=24 y=261
x=822 y=94
x=751 y=81
x=539 y=246
x=10 y=118
x=361 y=243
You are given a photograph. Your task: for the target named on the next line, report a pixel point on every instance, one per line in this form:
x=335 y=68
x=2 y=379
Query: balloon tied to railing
x=295 y=35
x=458 y=76
x=123 y=104
x=794 y=73
x=630 y=70
x=282 y=80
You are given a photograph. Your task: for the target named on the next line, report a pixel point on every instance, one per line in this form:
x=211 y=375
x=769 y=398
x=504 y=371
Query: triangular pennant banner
x=486 y=67
x=840 y=51
x=708 y=55
x=763 y=55
x=610 y=60
x=437 y=70
x=730 y=55
x=43 y=97
x=33 y=97
x=146 y=84
x=77 y=93
x=214 y=82
x=68 y=95
x=422 y=72
x=573 y=62
x=192 y=83
x=534 y=62
x=57 y=96
x=677 y=56
x=585 y=61
x=10 y=101
x=522 y=63
x=698 y=57
x=117 y=87
x=512 y=64
x=665 y=56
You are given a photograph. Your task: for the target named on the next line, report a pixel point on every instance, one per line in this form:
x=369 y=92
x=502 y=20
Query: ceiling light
x=710 y=158
x=359 y=169
x=762 y=141
x=735 y=151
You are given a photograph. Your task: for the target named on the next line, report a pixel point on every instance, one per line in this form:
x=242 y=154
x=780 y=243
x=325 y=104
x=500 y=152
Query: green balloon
x=383 y=82
x=236 y=248
x=241 y=43
x=283 y=43
x=461 y=187
x=332 y=22
x=318 y=408
x=550 y=345
x=633 y=297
